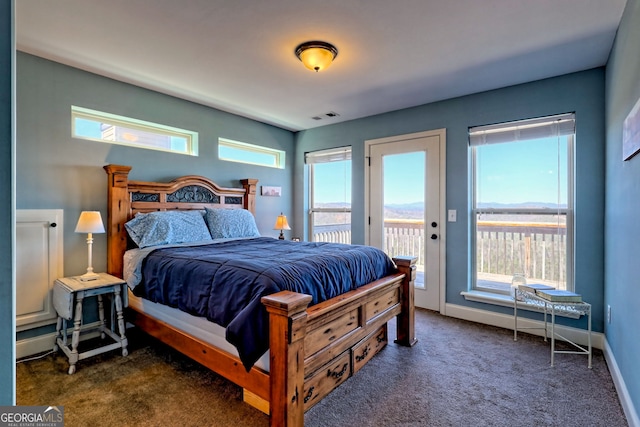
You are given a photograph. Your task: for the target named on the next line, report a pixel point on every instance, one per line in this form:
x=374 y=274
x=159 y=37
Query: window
x=330 y=195
x=523 y=202
x=98 y=126
x=241 y=152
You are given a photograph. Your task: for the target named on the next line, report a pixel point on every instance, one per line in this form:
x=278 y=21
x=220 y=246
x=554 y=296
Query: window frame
x=279 y=156
x=568 y=212
x=332 y=155
x=101 y=117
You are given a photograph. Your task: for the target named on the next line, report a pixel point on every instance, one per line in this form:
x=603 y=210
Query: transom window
x=241 y=152
x=329 y=195
x=523 y=202
x=105 y=127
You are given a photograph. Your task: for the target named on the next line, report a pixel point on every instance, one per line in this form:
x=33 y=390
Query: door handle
x=434 y=236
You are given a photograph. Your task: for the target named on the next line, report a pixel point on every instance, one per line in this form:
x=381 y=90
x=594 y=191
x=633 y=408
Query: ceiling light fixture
x=316 y=55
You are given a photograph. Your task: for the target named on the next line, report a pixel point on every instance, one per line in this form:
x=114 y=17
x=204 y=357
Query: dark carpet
x=459 y=374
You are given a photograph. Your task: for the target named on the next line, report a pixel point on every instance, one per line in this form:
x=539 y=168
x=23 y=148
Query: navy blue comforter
x=225 y=281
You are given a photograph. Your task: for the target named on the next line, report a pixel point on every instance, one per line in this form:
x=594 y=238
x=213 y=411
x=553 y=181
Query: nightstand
x=68 y=294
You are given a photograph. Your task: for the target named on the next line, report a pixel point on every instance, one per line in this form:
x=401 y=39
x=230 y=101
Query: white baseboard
x=579 y=336
x=30 y=346
x=43 y=343
x=625 y=400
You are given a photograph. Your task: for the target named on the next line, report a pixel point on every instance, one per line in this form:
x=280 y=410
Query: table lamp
x=281 y=224
x=89 y=222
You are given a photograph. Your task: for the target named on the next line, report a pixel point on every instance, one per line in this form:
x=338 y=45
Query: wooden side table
x=69 y=293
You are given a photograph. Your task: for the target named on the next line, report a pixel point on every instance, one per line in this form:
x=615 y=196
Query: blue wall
x=56 y=171
x=7 y=366
x=622 y=227
x=582 y=93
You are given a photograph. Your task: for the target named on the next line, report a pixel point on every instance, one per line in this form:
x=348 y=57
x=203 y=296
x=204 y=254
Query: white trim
x=506 y=321
x=190 y=137
x=623 y=393
x=442 y=134
x=38 y=344
x=443 y=220
x=277 y=155
x=569 y=213
x=506 y=301
x=11 y=382
x=41 y=343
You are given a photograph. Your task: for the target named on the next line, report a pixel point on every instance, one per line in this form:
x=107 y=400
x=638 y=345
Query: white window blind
x=326 y=156
x=552 y=126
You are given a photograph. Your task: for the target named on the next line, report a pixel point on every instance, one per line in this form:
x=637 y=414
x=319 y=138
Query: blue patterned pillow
x=167 y=227
x=231 y=223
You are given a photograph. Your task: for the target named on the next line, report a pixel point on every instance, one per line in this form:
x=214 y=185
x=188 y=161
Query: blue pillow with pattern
x=231 y=223
x=167 y=227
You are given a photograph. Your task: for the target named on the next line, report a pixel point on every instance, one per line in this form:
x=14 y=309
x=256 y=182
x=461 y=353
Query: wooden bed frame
x=312 y=349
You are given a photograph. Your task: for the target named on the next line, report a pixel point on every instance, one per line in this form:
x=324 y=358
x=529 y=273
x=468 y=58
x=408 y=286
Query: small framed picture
x=269 y=190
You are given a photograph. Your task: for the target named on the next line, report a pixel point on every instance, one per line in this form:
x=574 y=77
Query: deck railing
x=537 y=250
x=402 y=237
x=405 y=237
x=332 y=233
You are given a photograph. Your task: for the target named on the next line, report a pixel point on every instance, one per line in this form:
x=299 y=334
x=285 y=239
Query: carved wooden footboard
x=312 y=349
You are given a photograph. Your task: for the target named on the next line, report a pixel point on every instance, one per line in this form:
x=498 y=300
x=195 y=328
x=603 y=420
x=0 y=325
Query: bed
x=312 y=348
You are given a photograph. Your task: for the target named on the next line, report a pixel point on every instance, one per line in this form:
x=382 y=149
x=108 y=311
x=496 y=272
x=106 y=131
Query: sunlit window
x=105 y=127
x=330 y=195
x=523 y=202
x=241 y=152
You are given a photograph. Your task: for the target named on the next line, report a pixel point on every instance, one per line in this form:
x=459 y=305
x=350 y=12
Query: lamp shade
x=90 y=222
x=316 y=55
x=281 y=223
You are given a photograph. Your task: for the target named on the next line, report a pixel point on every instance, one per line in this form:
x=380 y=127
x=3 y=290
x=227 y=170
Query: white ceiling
x=237 y=55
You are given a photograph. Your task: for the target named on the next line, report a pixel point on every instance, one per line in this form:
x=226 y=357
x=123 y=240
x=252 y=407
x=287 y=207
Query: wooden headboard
x=126 y=198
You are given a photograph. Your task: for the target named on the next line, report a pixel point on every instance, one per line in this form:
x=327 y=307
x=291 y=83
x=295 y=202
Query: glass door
x=404 y=208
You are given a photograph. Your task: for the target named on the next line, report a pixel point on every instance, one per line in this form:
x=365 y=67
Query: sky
x=404 y=178
x=509 y=173
x=91 y=129
x=526 y=171
x=400 y=170
x=330 y=182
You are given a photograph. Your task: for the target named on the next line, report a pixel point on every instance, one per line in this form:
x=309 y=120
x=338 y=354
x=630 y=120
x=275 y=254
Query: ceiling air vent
x=330 y=114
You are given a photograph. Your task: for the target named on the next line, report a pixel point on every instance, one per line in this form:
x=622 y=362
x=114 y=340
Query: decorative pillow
x=230 y=223
x=167 y=227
